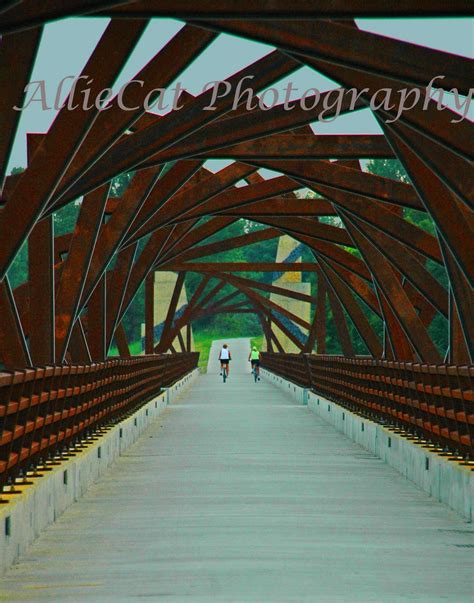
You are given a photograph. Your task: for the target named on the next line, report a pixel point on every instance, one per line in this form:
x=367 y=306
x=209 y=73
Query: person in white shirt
x=225 y=358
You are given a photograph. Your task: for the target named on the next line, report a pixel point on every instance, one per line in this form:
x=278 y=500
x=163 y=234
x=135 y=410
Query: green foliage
x=388 y=168
x=17 y=170
x=120 y=184
x=65 y=219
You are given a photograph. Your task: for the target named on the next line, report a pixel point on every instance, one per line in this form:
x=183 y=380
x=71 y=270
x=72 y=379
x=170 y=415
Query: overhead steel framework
x=80 y=285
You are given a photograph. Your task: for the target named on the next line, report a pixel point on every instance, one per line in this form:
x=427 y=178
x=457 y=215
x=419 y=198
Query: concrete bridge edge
x=447 y=481
x=38 y=505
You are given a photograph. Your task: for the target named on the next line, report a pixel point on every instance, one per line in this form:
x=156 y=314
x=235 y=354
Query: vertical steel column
x=13 y=348
x=41 y=335
x=96 y=326
x=149 y=312
x=122 y=341
x=188 y=337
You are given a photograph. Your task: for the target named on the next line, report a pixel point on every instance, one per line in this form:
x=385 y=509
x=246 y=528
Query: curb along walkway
x=238 y=494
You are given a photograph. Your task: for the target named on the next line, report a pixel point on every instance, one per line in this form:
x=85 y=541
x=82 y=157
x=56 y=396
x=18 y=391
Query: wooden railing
x=432 y=402
x=45 y=411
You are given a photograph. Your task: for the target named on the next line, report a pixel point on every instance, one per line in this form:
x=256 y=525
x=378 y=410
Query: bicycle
x=255 y=374
x=224 y=369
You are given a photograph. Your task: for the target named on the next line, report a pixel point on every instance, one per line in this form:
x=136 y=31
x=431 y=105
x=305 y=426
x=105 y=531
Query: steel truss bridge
x=58 y=384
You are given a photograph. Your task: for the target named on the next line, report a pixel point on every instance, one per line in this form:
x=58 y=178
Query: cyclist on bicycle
x=224 y=358
x=254 y=359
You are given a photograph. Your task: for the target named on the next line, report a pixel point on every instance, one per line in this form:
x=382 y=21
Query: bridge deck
x=237 y=494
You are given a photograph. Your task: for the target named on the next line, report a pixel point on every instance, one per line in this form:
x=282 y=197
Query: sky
x=66 y=45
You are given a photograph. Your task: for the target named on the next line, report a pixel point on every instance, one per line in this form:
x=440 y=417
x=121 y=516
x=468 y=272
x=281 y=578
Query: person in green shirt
x=254 y=359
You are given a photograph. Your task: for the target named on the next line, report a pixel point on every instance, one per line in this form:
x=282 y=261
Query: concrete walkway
x=239 y=349
x=237 y=494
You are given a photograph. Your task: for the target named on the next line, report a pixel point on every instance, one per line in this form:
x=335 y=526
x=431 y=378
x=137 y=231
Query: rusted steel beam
x=408 y=264
x=177 y=178
x=78 y=349
x=458 y=352
x=242 y=125
x=340 y=256
x=231 y=309
x=96 y=321
x=149 y=313
x=306 y=146
x=134 y=149
x=113 y=232
x=178 y=234
x=282 y=206
x=239 y=196
x=41 y=285
x=76 y=266
x=19 y=50
x=117 y=287
x=41 y=334
x=199 y=191
x=252 y=284
x=182 y=345
x=383 y=217
x=447 y=164
x=142 y=267
x=192 y=237
x=21 y=295
x=452 y=218
x=7 y=5
x=158 y=73
x=346 y=179
x=37 y=185
x=264 y=301
x=425 y=117
x=165 y=342
x=221 y=304
x=14 y=352
x=271 y=316
x=365 y=51
x=358 y=285
x=230 y=243
x=170 y=315
x=29 y=13
x=223 y=300
x=345 y=297
x=209 y=296
x=396 y=296
x=213 y=267
x=397 y=344
x=122 y=341
x=61 y=246
x=269 y=334
x=341 y=324
x=461 y=318
x=317 y=332
x=188 y=338
x=310 y=228
x=222 y=198
x=320 y=317
x=279 y=9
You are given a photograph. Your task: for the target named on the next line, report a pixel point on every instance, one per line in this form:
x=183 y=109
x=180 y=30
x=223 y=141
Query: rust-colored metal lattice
x=46 y=411
x=433 y=402
x=80 y=284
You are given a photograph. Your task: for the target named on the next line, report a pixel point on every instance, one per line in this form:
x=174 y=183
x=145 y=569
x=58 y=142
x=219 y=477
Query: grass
x=257 y=341
x=203 y=341
x=202 y=344
x=135 y=349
